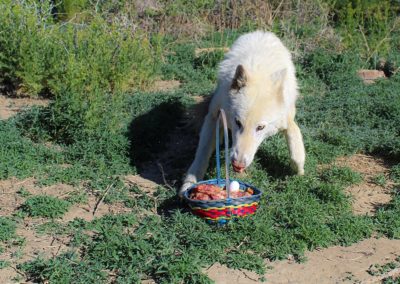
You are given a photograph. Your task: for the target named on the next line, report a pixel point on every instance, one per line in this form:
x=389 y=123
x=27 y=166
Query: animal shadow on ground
x=163 y=142
x=169 y=205
x=275 y=166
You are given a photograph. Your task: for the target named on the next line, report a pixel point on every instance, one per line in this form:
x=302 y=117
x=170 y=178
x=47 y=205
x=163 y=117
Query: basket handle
x=221 y=114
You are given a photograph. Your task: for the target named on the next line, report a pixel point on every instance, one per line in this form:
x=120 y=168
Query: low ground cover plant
x=102 y=124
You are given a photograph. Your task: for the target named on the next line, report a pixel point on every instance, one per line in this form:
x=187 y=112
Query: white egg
x=234 y=186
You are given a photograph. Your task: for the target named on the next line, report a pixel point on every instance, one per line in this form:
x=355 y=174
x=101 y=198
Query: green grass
x=63 y=269
x=175 y=245
x=4 y=264
x=23 y=192
x=296 y=213
x=45 y=206
x=7 y=229
x=100 y=127
x=380 y=179
x=391 y=280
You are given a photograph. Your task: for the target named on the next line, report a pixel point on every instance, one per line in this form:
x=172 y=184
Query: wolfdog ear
x=240 y=78
x=278 y=76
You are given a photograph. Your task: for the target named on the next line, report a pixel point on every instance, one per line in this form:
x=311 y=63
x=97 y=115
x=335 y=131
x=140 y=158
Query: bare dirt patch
x=200 y=51
x=336 y=264
x=11 y=106
x=144 y=184
x=368 y=196
x=164 y=85
x=11 y=200
x=32 y=243
x=223 y=275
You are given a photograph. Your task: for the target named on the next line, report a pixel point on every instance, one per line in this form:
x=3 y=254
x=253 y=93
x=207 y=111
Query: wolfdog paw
x=300 y=172
x=186 y=184
x=297 y=167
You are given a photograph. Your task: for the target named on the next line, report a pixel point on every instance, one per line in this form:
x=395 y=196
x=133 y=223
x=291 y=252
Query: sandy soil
x=164 y=85
x=368 y=196
x=331 y=265
x=34 y=243
x=10 y=106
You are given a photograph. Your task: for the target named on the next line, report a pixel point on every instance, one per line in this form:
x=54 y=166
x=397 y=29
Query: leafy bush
x=7 y=229
x=45 y=206
x=85 y=67
x=368 y=26
x=81 y=60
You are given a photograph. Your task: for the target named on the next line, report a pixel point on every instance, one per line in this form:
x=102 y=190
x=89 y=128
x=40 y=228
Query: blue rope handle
x=221 y=113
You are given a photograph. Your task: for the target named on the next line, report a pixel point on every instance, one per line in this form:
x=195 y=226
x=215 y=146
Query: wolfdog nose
x=238 y=167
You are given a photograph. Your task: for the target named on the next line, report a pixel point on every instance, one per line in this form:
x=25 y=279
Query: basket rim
x=222 y=181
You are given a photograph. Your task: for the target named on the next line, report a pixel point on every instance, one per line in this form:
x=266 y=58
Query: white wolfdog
x=257 y=88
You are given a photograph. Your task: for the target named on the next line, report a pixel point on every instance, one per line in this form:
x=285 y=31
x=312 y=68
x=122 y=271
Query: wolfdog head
x=257 y=110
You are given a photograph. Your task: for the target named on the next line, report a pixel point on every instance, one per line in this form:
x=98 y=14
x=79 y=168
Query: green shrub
x=71 y=9
x=85 y=67
x=7 y=229
x=45 y=206
x=86 y=59
x=368 y=26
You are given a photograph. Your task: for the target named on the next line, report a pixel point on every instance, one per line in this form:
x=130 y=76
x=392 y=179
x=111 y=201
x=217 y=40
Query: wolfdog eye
x=260 y=127
x=238 y=123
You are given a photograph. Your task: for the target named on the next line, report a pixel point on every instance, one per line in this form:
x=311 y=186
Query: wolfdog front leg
x=296 y=146
x=204 y=149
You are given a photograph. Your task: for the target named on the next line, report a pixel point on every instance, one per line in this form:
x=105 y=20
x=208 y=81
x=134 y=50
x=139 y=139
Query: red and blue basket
x=224 y=210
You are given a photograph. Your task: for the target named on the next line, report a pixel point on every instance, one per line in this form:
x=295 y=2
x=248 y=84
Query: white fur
x=263 y=101
x=260 y=53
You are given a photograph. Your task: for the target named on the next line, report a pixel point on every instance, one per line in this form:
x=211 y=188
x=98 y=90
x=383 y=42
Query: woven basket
x=223 y=210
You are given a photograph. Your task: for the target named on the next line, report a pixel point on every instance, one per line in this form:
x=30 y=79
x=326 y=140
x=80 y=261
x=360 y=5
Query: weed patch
x=377 y=269
x=4 y=264
x=45 y=206
x=7 y=229
x=386 y=219
x=63 y=269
